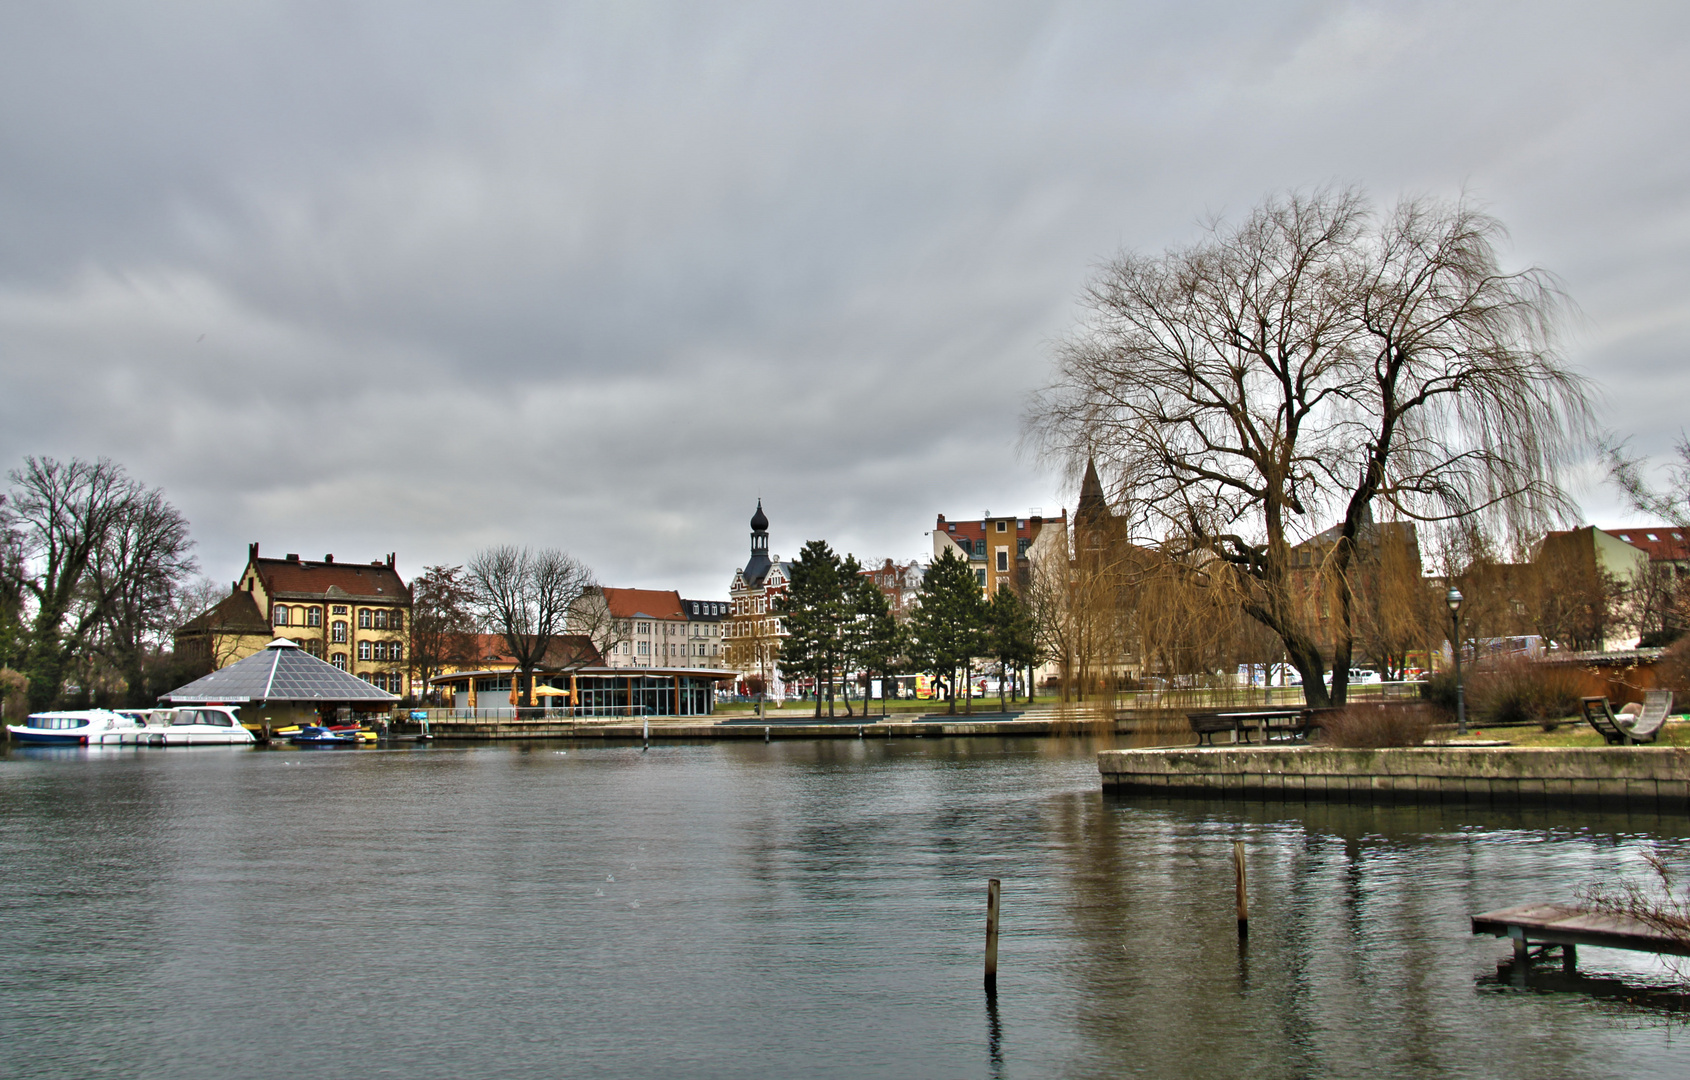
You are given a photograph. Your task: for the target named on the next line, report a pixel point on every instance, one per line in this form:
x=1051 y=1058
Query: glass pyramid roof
x=282 y=672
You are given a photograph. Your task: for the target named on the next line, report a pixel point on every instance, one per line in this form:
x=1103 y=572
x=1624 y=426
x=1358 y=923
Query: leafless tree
x=133 y=579
x=443 y=625
x=525 y=597
x=591 y=617
x=102 y=555
x=1671 y=503
x=751 y=645
x=1312 y=362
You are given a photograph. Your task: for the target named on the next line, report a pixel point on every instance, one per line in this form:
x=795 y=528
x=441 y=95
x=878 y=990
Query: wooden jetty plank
x=1564 y=924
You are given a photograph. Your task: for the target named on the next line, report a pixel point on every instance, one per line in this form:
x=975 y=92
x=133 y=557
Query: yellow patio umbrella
x=549 y=691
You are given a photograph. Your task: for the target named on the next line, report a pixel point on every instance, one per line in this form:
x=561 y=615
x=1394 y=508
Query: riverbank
x=669 y=729
x=1628 y=778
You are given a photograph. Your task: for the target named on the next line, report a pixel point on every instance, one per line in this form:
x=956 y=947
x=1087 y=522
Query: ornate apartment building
x=656 y=628
x=353 y=615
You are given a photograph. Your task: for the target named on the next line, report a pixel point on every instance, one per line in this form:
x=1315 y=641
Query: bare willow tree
x=1313 y=362
x=1671 y=503
x=525 y=597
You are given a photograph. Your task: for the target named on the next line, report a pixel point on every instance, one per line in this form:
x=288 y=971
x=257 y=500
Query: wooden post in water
x=1243 y=891
x=646 y=736
x=992 y=888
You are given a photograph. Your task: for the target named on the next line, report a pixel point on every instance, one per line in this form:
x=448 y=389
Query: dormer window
x=1653 y=537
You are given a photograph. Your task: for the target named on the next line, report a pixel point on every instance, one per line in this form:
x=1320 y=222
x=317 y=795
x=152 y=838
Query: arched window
x=395 y=651
x=337 y=632
x=396 y=620
x=338 y=660
x=363 y=650
x=314 y=616
x=363 y=618
x=279 y=617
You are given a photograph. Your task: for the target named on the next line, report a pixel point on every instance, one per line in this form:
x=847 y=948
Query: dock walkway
x=1569 y=927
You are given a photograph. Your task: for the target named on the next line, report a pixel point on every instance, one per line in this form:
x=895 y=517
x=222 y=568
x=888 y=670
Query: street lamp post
x=1453 y=599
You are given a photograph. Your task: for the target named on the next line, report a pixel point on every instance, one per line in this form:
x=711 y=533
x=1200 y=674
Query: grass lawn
x=1575 y=732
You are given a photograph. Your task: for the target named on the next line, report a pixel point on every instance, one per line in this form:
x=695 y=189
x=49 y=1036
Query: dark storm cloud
x=364 y=278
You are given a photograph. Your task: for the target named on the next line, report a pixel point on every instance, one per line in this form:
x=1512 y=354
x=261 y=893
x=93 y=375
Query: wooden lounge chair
x=1647 y=728
x=1600 y=715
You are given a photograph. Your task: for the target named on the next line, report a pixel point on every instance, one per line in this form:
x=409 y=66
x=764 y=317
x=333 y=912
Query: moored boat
x=316 y=735
x=203 y=725
x=83 y=727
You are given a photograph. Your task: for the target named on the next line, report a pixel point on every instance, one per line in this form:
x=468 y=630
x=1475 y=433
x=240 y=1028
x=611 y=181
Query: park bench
x=1289 y=722
x=1615 y=731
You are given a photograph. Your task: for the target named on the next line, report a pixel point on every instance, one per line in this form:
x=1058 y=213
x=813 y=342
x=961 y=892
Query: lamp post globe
x=1453 y=598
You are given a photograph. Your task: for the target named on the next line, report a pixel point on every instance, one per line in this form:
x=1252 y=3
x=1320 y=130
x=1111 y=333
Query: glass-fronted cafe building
x=587 y=691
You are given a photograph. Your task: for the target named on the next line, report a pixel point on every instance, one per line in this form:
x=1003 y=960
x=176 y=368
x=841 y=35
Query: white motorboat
x=83 y=727
x=202 y=725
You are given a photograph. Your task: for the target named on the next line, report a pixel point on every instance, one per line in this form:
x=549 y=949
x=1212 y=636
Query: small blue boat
x=316 y=735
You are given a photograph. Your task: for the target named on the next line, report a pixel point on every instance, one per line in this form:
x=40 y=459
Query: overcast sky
x=419 y=278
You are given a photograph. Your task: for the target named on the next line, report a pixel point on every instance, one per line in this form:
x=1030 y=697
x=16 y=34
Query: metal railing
x=1233 y=697
x=510 y=713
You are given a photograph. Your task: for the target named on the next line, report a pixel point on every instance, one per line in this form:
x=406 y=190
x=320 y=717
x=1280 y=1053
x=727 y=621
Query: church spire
x=1094 y=507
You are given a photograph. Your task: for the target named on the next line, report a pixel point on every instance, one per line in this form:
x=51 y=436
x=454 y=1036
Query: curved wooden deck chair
x=1656 y=705
x=1600 y=715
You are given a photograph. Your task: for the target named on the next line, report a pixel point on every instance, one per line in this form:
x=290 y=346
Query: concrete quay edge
x=1640 y=778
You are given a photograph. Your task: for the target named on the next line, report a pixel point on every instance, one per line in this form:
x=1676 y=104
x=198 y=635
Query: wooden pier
x=1568 y=927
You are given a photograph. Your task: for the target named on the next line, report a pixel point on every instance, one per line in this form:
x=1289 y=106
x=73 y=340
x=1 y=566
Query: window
x=1021 y=546
x=338 y=660
x=624 y=648
x=314 y=616
x=364 y=650
x=395 y=651
x=700 y=649
x=338 y=609
x=363 y=618
x=279 y=617
x=315 y=648
x=337 y=632
x=396 y=620
x=645 y=648
x=1003 y=526
x=980 y=576
x=1003 y=560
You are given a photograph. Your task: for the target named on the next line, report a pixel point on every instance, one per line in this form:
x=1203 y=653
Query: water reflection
x=792 y=908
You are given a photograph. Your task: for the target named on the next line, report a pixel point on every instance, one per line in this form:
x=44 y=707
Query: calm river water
x=798 y=909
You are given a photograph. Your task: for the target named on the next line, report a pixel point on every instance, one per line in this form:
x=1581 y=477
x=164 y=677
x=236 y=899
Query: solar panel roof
x=282 y=672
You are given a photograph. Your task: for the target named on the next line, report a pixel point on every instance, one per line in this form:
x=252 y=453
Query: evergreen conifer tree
x=949 y=628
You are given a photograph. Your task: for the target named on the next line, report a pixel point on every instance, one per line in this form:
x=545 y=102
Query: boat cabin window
x=57 y=723
x=208 y=717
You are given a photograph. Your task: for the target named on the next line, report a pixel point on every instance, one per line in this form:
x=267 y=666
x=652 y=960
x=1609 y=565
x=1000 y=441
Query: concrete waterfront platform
x=1608 y=778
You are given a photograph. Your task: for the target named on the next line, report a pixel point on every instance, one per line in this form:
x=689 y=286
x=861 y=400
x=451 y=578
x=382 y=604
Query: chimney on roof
x=329 y=558
x=375 y=562
x=391 y=556
x=251 y=551
x=293 y=556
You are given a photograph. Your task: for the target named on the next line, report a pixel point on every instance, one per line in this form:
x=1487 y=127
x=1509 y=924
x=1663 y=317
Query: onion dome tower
x=758 y=567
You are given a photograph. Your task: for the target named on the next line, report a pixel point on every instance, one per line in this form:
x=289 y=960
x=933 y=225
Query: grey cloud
x=422 y=277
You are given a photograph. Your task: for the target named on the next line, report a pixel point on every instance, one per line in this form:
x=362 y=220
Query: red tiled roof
x=974 y=530
x=644 y=603
x=316 y=578
x=566 y=650
x=1662 y=543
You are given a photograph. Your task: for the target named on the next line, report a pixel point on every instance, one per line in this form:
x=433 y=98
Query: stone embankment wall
x=1610 y=778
